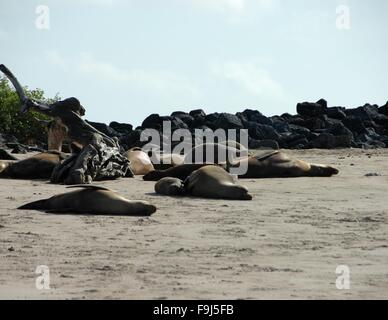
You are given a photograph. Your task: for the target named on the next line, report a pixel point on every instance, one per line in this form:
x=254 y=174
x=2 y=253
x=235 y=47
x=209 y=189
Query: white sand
x=286 y=243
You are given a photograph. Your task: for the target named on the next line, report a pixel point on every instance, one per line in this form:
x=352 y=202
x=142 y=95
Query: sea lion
x=214 y=182
x=277 y=164
x=170 y=186
x=207 y=182
x=4 y=164
x=213 y=153
x=140 y=161
x=92 y=200
x=181 y=172
x=39 y=166
x=163 y=161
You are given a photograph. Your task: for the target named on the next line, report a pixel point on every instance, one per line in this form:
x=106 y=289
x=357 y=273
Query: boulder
x=329 y=141
x=102 y=127
x=152 y=122
x=197 y=112
x=228 y=121
x=262 y=132
x=310 y=123
x=355 y=125
x=185 y=117
x=336 y=113
x=384 y=109
x=309 y=109
x=123 y=128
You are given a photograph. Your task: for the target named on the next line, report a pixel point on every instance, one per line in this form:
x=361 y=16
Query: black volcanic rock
x=309 y=109
x=228 y=121
x=262 y=132
x=102 y=127
x=310 y=123
x=212 y=117
x=197 y=112
x=336 y=113
x=123 y=128
x=384 y=109
x=355 y=125
x=131 y=139
x=185 y=117
x=329 y=141
x=151 y=122
x=256 y=116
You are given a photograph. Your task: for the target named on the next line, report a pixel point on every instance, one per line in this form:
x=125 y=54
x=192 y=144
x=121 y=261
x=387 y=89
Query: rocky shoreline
x=316 y=125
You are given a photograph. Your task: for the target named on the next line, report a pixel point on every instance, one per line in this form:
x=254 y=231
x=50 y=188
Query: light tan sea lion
x=140 y=161
x=277 y=164
x=207 y=182
x=39 y=166
x=92 y=200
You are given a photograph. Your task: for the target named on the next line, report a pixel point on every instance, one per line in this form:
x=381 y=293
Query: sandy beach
x=284 y=244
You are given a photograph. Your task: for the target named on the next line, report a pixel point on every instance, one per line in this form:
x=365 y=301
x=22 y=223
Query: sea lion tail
x=319 y=170
x=36 y=205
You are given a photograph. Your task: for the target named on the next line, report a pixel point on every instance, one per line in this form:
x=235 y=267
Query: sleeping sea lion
x=181 y=172
x=140 y=161
x=92 y=200
x=277 y=164
x=39 y=166
x=170 y=187
x=207 y=182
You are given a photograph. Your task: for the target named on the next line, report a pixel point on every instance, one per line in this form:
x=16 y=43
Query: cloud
x=252 y=78
x=54 y=58
x=161 y=82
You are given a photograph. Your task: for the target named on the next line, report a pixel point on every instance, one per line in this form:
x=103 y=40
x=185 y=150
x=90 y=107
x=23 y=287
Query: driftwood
x=99 y=157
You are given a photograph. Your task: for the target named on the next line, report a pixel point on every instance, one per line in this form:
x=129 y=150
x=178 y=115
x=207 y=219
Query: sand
x=285 y=244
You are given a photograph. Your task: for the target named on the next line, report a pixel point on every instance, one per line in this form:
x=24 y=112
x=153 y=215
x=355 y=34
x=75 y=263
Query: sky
x=127 y=59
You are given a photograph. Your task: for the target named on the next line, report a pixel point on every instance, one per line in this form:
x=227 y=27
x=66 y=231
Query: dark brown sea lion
x=39 y=166
x=277 y=164
x=92 y=200
x=180 y=172
x=207 y=182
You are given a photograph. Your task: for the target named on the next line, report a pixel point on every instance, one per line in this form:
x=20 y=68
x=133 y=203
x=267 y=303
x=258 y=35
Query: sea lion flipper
x=88 y=186
x=35 y=205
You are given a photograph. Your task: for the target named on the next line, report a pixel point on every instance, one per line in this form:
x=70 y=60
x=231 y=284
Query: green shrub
x=23 y=126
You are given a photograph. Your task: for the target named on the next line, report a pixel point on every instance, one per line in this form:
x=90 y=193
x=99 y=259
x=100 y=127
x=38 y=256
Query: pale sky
x=127 y=59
